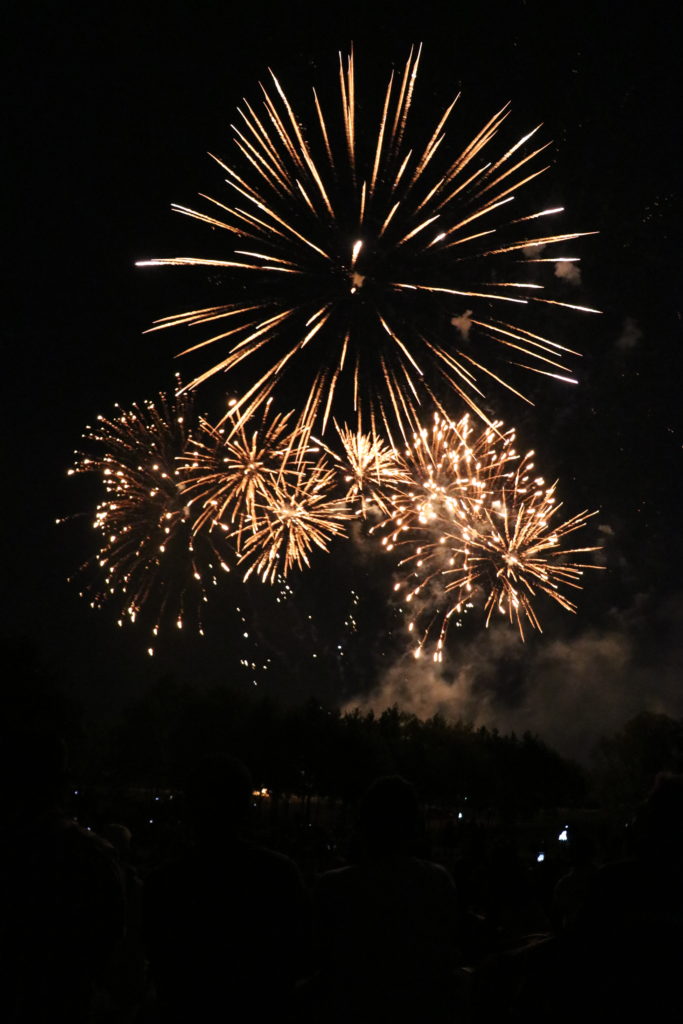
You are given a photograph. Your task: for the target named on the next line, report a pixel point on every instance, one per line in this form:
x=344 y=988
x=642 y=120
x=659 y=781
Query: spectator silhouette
x=387 y=925
x=632 y=925
x=61 y=897
x=571 y=890
x=505 y=894
x=227 y=923
x=619 y=955
x=124 y=981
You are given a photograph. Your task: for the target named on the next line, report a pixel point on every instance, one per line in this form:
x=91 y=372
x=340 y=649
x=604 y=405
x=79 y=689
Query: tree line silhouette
x=309 y=750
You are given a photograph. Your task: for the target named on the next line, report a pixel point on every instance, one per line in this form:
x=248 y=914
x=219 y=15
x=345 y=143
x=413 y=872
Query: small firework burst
x=448 y=472
x=371 y=467
x=148 y=558
x=230 y=474
x=301 y=513
x=474 y=516
x=516 y=552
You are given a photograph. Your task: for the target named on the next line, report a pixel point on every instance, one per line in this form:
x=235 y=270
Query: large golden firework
x=473 y=516
x=148 y=556
x=371 y=265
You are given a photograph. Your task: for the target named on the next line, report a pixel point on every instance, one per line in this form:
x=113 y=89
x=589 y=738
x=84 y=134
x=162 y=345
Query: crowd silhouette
x=228 y=921
x=402 y=923
x=62 y=897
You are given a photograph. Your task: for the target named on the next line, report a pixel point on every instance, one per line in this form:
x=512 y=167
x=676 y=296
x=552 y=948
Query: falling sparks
x=359 y=244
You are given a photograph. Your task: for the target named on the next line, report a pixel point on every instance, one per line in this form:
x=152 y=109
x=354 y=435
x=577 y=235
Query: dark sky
x=111 y=112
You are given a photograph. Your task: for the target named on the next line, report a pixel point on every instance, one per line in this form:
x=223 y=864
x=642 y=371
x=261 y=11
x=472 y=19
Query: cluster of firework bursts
x=352 y=257
x=458 y=504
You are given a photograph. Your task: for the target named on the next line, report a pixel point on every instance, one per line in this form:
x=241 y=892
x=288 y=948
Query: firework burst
x=300 y=513
x=229 y=477
x=397 y=265
x=516 y=552
x=148 y=554
x=371 y=270
x=473 y=516
x=371 y=467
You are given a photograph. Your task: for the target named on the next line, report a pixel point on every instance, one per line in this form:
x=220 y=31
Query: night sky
x=111 y=113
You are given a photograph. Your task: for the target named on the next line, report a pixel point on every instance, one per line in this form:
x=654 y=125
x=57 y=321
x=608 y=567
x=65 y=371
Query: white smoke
x=568 y=691
x=568 y=272
x=463 y=323
x=533 y=250
x=630 y=335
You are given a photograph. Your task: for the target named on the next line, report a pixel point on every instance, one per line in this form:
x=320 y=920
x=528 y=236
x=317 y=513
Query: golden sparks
x=359 y=244
x=148 y=555
x=473 y=516
x=301 y=513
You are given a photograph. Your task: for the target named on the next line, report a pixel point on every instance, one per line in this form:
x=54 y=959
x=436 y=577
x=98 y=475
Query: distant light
x=563 y=837
x=540 y=858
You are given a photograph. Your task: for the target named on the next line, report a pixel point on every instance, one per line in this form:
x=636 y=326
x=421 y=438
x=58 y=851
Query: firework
x=370 y=265
x=370 y=468
x=230 y=476
x=515 y=553
x=299 y=514
x=149 y=557
x=473 y=516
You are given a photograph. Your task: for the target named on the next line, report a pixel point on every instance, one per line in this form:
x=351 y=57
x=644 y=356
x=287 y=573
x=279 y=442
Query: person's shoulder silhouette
x=628 y=936
x=60 y=889
x=387 y=925
x=227 y=915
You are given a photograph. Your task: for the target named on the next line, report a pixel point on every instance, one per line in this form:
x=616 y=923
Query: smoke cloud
x=463 y=323
x=630 y=335
x=570 y=691
x=533 y=250
x=568 y=272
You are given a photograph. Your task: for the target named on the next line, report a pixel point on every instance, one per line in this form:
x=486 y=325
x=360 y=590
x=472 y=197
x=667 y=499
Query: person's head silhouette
x=389 y=819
